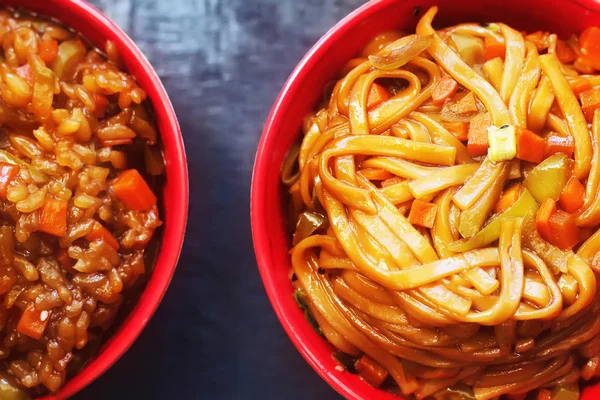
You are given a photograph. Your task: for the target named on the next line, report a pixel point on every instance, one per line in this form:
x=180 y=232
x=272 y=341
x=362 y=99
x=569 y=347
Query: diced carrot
x=554 y=143
x=530 y=147
x=590 y=101
x=53 y=217
x=133 y=191
x=564 y=231
x=25 y=72
x=100 y=232
x=580 y=85
x=572 y=195
x=508 y=198
x=494 y=48
x=458 y=129
x=542 y=218
x=564 y=52
x=371 y=371
x=377 y=95
x=467 y=105
x=33 y=322
x=589 y=42
x=478 y=144
x=63 y=258
x=48 y=50
x=392 y=181
x=538 y=38
x=101 y=103
x=445 y=88
x=376 y=174
x=8 y=172
x=422 y=213
x=115 y=142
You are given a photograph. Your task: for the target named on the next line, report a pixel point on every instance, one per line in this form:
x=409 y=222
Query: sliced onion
x=308 y=223
x=401 y=55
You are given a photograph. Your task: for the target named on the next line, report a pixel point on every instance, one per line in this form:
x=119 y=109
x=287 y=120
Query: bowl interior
x=300 y=95
x=85 y=19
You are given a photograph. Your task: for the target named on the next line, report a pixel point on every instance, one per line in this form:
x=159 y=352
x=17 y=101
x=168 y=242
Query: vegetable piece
x=530 y=147
x=494 y=48
x=494 y=69
x=33 y=322
x=589 y=42
x=555 y=143
x=458 y=129
x=37 y=175
x=564 y=231
x=590 y=101
x=508 y=198
x=548 y=179
x=401 y=54
x=302 y=303
x=133 y=191
x=308 y=223
x=470 y=48
x=491 y=232
x=445 y=88
x=503 y=143
x=539 y=38
x=377 y=95
x=371 y=371
x=48 y=50
x=376 y=174
x=115 y=142
x=100 y=232
x=70 y=53
x=64 y=259
x=43 y=89
x=25 y=72
x=564 y=52
x=553 y=256
x=542 y=218
x=544 y=394
x=53 y=217
x=580 y=85
x=477 y=144
x=573 y=195
x=466 y=105
x=8 y=172
x=101 y=104
x=422 y=213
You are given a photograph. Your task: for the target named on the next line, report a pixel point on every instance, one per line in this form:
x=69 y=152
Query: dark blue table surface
x=215 y=335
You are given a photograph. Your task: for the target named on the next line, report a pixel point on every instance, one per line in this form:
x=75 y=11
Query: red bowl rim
x=175 y=218
x=260 y=233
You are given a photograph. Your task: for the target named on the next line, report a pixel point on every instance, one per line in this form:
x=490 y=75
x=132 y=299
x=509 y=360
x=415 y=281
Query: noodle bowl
x=445 y=209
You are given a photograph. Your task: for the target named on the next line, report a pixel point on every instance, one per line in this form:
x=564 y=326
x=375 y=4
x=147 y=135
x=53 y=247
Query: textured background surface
x=215 y=335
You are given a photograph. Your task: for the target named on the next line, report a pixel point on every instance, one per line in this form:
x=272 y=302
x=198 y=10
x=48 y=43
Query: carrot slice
x=422 y=213
x=542 y=218
x=508 y=198
x=494 y=48
x=33 y=322
x=589 y=42
x=467 y=105
x=530 y=147
x=133 y=191
x=590 y=101
x=8 y=172
x=48 y=50
x=458 y=129
x=564 y=52
x=445 y=88
x=478 y=135
x=377 y=95
x=371 y=371
x=100 y=232
x=580 y=85
x=572 y=196
x=564 y=231
x=115 y=142
x=101 y=104
x=539 y=38
x=53 y=217
x=554 y=143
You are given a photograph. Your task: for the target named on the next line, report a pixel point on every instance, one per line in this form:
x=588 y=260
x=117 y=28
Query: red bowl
x=282 y=129
x=91 y=23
